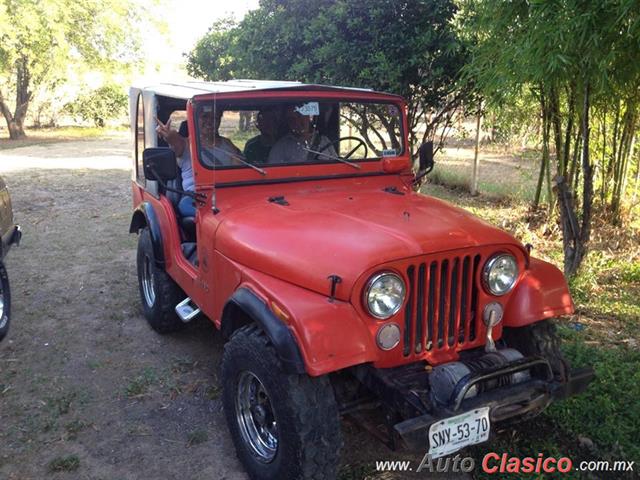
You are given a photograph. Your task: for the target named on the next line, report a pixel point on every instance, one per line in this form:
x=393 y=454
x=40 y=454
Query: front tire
x=540 y=339
x=158 y=292
x=5 y=302
x=284 y=426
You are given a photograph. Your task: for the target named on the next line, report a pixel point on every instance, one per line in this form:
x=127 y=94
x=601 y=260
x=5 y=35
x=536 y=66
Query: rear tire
x=158 y=292
x=5 y=302
x=540 y=339
x=284 y=426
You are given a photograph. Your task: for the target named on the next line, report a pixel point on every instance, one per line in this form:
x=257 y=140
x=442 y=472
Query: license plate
x=454 y=433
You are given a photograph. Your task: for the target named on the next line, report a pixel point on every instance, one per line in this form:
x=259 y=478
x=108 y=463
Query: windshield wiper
x=347 y=162
x=212 y=157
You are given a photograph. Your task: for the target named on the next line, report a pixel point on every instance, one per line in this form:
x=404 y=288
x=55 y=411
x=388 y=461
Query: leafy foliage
x=41 y=39
x=577 y=59
x=407 y=47
x=98 y=106
x=212 y=57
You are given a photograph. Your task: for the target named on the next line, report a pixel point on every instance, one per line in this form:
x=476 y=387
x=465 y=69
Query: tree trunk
x=614 y=153
x=630 y=155
x=545 y=150
x=622 y=159
x=550 y=199
x=476 y=161
x=569 y=131
x=15 y=120
x=16 y=131
x=556 y=122
x=637 y=182
x=573 y=171
x=603 y=193
x=587 y=189
x=576 y=237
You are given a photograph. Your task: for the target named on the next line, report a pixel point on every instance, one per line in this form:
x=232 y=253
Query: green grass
x=356 y=472
x=69 y=463
x=177 y=379
x=140 y=384
x=520 y=188
x=609 y=411
x=609 y=287
x=197 y=437
x=44 y=136
x=74 y=427
x=213 y=392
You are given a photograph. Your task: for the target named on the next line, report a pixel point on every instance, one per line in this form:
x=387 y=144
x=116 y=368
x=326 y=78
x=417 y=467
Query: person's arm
x=176 y=141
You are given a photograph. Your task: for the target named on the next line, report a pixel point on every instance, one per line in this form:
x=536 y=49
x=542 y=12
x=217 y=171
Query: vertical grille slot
x=408 y=313
x=419 y=341
x=453 y=307
x=442 y=304
x=474 y=299
x=431 y=308
x=465 y=293
x=443 y=299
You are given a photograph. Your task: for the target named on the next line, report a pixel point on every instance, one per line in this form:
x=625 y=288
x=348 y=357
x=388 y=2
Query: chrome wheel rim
x=255 y=417
x=147 y=282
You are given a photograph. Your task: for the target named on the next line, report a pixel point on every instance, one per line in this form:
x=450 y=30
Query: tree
x=212 y=57
x=408 y=47
x=99 y=105
x=572 y=55
x=40 y=38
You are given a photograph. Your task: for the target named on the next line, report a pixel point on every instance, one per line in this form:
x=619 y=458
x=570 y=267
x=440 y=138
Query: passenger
x=257 y=149
x=216 y=150
x=303 y=143
x=179 y=144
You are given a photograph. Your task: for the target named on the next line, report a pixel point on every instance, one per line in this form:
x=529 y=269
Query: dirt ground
x=87 y=389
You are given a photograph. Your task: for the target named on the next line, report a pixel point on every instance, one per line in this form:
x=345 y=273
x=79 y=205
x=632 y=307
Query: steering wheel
x=336 y=146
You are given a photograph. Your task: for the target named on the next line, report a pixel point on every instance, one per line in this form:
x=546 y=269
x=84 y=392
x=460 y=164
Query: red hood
x=345 y=233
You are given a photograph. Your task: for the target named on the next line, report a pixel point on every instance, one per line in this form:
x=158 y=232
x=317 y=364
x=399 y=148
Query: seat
x=187 y=224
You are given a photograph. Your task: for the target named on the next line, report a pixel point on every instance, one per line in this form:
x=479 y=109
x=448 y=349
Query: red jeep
x=340 y=289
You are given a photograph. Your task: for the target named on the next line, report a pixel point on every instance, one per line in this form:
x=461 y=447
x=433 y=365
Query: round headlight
x=384 y=295
x=500 y=274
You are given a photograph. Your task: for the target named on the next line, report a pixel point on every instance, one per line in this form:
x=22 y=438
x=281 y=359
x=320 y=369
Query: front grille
x=442 y=304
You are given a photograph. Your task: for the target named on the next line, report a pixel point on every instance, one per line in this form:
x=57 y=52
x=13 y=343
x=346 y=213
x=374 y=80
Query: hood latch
x=335 y=280
x=280 y=200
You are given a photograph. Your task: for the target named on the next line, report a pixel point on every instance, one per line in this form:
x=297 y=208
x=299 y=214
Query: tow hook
x=491 y=317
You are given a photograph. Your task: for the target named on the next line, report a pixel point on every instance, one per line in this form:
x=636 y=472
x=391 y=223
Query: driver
x=303 y=143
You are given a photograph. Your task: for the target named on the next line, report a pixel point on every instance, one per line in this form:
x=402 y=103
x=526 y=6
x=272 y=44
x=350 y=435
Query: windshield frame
x=233 y=103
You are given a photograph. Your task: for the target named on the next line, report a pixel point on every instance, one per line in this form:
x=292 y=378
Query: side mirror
x=426 y=157
x=159 y=164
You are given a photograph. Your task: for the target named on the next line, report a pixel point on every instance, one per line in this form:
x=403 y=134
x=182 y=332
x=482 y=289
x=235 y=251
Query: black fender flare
x=244 y=307
x=145 y=216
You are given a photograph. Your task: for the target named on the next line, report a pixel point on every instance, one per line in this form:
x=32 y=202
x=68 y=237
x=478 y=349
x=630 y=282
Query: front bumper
x=519 y=401
x=11 y=237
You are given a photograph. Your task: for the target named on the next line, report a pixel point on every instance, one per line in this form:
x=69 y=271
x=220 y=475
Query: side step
x=187 y=310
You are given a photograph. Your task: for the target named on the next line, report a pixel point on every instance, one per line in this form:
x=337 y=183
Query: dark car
x=10 y=233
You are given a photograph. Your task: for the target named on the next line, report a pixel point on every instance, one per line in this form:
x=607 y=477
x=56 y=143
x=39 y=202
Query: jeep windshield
x=256 y=135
